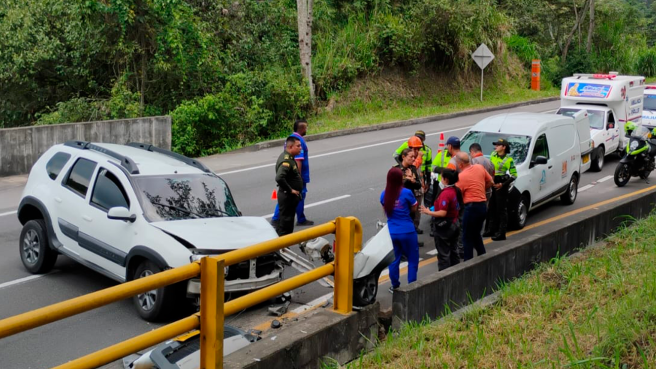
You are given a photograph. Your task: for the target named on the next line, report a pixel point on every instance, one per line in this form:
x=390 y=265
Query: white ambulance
x=649 y=107
x=611 y=100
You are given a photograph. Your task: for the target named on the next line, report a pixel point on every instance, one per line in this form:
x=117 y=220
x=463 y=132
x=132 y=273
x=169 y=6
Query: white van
x=611 y=100
x=649 y=107
x=550 y=153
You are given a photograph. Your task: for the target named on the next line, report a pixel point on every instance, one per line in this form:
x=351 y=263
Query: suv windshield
x=649 y=102
x=184 y=196
x=596 y=116
x=518 y=144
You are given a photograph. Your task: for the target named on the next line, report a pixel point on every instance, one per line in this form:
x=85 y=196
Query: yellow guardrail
x=348 y=240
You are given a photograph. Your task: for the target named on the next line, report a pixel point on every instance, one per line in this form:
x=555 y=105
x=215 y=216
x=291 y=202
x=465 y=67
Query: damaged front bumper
x=248 y=275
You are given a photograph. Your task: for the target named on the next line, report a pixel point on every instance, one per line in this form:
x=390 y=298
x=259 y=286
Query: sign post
x=482 y=56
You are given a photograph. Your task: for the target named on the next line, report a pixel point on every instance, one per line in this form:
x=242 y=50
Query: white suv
x=128 y=211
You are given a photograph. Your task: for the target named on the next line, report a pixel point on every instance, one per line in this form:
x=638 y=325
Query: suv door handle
x=551 y=166
x=87 y=218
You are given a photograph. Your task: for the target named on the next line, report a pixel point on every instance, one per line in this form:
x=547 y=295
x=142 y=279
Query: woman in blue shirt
x=400 y=205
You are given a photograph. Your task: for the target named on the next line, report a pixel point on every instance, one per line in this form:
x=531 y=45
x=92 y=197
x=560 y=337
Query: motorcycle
x=638 y=160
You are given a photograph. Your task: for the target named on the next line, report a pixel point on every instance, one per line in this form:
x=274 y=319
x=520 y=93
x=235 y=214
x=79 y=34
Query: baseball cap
x=421 y=134
x=501 y=141
x=454 y=141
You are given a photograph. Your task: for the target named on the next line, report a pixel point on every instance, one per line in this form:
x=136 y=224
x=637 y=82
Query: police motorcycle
x=638 y=160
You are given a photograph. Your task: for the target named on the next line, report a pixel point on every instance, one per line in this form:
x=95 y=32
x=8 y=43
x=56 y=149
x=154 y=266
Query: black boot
x=499 y=237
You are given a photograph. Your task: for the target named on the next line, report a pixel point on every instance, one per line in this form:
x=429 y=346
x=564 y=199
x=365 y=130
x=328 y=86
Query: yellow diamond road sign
x=482 y=56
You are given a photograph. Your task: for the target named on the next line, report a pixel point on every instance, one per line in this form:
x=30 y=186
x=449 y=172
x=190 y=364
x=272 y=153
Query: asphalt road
x=347 y=176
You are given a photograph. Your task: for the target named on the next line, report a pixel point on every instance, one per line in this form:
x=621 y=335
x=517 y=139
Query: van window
x=541 y=148
x=56 y=163
x=108 y=191
x=80 y=176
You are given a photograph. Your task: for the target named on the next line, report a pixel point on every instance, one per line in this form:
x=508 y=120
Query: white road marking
x=586 y=187
x=604 y=179
x=339 y=151
x=8 y=213
x=23 y=280
x=315 y=204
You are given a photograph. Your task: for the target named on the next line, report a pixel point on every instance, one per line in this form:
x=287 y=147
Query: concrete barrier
x=21 y=147
x=306 y=343
x=457 y=286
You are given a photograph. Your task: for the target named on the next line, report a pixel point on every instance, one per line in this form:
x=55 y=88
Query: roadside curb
x=395 y=124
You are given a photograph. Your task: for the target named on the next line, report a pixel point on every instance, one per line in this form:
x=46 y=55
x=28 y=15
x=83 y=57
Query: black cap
x=502 y=142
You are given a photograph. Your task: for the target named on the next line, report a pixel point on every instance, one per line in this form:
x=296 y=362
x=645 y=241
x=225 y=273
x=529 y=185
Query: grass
x=381 y=108
x=593 y=310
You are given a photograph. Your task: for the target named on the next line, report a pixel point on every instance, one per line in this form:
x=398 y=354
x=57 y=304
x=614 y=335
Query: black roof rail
x=174 y=155
x=126 y=162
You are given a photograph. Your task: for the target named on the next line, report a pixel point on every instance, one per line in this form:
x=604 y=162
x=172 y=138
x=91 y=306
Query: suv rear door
x=70 y=204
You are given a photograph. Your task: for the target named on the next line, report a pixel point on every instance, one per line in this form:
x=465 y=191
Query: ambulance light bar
x=604 y=76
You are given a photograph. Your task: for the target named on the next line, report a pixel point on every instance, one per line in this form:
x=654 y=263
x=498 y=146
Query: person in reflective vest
x=424 y=159
x=504 y=174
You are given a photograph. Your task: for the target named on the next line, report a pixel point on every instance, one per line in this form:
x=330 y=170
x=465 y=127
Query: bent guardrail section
x=348 y=240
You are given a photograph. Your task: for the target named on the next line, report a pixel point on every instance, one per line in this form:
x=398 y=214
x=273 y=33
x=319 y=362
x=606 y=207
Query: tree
x=591 y=28
x=579 y=19
x=304 y=17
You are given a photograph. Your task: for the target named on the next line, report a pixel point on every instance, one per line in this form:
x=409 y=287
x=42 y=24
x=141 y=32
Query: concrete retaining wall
x=458 y=286
x=305 y=344
x=21 y=147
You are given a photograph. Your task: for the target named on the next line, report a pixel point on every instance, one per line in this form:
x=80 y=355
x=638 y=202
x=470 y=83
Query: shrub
x=79 y=109
x=525 y=49
x=646 y=63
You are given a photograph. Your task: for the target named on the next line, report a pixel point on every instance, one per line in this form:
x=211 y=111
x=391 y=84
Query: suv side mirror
x=121 y=213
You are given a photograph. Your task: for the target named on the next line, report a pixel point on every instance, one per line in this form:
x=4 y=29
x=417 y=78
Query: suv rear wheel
x=155 y=305
x=35 y=251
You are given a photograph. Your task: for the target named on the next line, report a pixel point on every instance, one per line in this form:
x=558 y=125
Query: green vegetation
x=228 y=71
x=593 y=310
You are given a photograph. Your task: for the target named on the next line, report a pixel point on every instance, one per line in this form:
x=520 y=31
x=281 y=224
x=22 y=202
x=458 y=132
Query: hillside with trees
x=233 y=72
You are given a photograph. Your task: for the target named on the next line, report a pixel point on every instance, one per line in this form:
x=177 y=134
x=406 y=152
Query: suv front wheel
x=35 y=251
x=159 y=304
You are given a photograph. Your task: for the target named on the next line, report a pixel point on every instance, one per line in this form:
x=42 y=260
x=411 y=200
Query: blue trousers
x=300 y=208
x=472 y=224
x=404 y=244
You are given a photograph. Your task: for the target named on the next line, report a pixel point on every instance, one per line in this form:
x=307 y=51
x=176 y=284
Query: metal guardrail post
x=344 y=246
x=211 y=313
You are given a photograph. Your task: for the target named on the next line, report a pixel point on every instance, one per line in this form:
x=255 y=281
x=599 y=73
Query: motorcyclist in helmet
x=629 y=127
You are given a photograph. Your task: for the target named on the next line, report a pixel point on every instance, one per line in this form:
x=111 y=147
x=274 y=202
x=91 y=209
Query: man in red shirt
x=473 y=181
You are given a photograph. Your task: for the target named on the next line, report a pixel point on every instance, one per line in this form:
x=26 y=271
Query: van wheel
x=155 y=305
x=569 y=196
x=598 y=164
x=35 y=251
x=365 y=290
x=522 y=212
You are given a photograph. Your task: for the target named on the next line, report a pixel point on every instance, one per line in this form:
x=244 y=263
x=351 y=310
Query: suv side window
x=108 y=191
x=541 y=148
x=79 y=176
x=56 y=163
